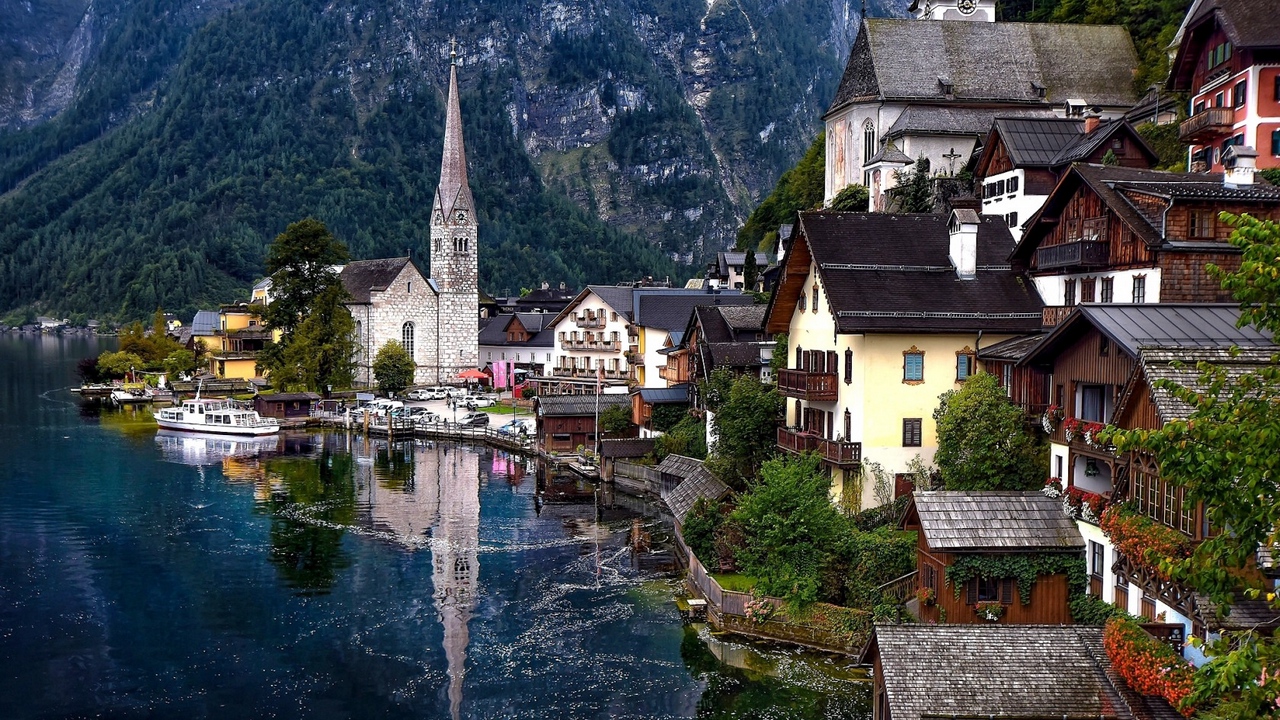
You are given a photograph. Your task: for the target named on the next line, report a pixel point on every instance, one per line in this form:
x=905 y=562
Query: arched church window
x=868 y=141
x=406 y=337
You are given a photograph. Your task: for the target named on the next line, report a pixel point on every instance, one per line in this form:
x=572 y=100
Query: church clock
x=967 y=7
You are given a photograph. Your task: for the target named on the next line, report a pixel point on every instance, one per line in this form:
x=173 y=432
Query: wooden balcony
x=1078 y=254
x=842 y=453
x=589 y=322
x=816 y=387
x=797 y=442
x=1053 y=315
x=1207 y=125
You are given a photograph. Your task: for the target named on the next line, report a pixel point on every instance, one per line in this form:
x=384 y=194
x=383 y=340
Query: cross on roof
x=453 y=50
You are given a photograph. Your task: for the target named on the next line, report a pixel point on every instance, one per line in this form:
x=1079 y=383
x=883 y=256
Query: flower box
x=1147 y=665
x=1143 y=540
x=926 y=596
x=989 y=611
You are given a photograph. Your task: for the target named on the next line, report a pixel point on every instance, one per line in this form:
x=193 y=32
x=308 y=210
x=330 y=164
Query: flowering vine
x=1143 y=540
x=1148 y=665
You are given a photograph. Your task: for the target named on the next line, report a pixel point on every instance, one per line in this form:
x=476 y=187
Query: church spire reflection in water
x=428 y=495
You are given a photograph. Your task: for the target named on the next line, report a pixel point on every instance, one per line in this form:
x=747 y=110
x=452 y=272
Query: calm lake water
x=321 y=576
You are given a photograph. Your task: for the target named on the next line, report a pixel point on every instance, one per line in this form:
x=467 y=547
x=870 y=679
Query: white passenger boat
x=215 y=416
x=188 y=448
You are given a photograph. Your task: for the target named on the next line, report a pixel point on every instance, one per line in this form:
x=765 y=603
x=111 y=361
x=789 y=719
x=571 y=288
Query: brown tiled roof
x=995 y=522
x=885 y=272
x=1009 y=671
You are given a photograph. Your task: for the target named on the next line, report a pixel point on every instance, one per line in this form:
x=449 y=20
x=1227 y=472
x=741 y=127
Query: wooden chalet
x=286 y=405
x=567 y=422
x=1104 y=362
x=955 y=524
x=644 y=400
x=999 y=671
x=1126 y=235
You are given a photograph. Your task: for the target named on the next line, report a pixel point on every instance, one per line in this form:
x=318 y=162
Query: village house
x=236 y=341
x=1228 y=62
x=1022 y=160
x=964 y=71
x=728 y=271
x=955 y=528
x=523 y=338
x=615 y=334
x=1127 y=235
x=568 y=422
x=436 y=319
x=671 y=404
x=1102 y=363
x=999 y=671
x=883 y=314
x=285 y=405
x=720 y=336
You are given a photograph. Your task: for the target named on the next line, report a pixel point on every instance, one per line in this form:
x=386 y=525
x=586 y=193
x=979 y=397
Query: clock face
x=967 y=6
x=460 y=216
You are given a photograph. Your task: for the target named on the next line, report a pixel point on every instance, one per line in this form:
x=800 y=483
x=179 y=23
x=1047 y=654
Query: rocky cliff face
x=666 y=119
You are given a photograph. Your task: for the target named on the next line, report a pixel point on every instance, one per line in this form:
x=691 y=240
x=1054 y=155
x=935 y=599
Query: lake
x=325 y=576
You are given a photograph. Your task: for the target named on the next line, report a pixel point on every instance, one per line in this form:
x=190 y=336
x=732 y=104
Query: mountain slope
x=607 y=137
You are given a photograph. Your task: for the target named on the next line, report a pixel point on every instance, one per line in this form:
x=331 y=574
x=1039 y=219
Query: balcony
x=793 y=441
x=634 y=357
x=841 y=453
x=1078 y=254
x=1053 y=315
x=1207 y=125
x=590 y=322
x=610 y=345
x=815 y=387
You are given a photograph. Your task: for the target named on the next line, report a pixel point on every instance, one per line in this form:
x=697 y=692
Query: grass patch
x=733 y=582
x=501 y=409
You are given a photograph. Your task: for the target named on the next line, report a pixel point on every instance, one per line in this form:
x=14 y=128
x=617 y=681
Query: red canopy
x=472 y=375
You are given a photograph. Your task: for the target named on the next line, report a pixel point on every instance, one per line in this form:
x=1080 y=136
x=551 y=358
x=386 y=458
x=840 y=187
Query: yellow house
x=884 y=313
x=236 y=342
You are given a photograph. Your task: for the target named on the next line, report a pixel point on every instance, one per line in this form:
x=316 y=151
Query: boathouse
x=286 y=405
x=568 y=422
x=970 y=546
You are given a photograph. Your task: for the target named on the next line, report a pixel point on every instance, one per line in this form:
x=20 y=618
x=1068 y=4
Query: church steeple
x=453 y=204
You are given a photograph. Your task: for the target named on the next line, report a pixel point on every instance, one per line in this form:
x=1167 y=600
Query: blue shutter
x=914 y=369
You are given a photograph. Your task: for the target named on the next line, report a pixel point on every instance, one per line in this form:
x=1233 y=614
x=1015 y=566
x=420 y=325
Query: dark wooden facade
x=1049 y=602
x=285 y=405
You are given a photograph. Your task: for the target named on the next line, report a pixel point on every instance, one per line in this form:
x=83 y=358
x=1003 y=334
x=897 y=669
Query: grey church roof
x=939 y=120
x=1010 y=671
x=898 y=59
x=995 y=522
x=363 y=277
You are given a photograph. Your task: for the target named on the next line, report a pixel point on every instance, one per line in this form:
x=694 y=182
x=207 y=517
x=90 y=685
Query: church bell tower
x=454 y=247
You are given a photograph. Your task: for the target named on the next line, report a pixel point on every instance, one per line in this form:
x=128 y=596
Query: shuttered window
x=833 y=362
x=848 y=367
x=911 y=432
x=913 y=367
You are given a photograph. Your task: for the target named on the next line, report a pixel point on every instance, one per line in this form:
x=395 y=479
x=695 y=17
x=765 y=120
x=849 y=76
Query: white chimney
x=1239 y=162
x=963 y=229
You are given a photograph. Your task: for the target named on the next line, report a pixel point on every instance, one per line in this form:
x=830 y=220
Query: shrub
x=699 y=531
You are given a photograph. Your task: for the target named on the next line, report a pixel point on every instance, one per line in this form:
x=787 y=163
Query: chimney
x=1091 y=123
x=963 y=229
x=1239 y=162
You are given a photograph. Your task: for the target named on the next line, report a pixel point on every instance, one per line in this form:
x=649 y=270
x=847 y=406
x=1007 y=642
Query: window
x=800 y=358
x=1199 y=106
x=1275 y=138
x=1091 y=403
x=1012 y=185
x=912 y=366
x=1097 y=555
x=801 y=303
x=911 y=432
x=1140 y=289
x=965 y=362
x=1104 y=346
x=1057 y=466
x=868 y=142
x=848 y=425
x=1069 y=292
x=999 y=187
x=848 y=366
x=1217 y=100
x=406 y=337
x=1012 y=219
x=815 y=297
x=1006 y=378
x=1086 y=290
x=1239 y=93
x=989 y=590
x=1186 y=513
x=1107 y=289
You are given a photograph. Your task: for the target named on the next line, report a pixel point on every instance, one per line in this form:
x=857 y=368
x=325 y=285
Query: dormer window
x=1040 y=90
x=948 y=87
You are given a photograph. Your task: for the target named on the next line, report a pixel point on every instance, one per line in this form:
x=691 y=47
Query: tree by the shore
x=393 y=368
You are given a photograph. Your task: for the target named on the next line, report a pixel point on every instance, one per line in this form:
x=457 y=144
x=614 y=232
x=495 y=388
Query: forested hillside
x=154 y=159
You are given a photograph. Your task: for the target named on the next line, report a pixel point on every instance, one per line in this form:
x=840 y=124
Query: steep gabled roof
x=899 y=59
x=1003 y=671
x=1052 y=142
x=670 y=309
x=995 y=522
x=361 y=278
x=889 y=273
x=1179 y=365
x=1250 y=24
x=578 y=405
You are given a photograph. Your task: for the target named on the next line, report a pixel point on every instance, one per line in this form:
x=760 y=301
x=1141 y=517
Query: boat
x=198 y=449
x=217 y=416
x=130 y=394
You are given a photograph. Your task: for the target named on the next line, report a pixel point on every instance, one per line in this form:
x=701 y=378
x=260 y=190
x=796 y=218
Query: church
x=436 y=317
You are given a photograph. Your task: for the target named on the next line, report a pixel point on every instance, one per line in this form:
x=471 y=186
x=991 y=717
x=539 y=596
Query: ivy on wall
x=1025 y=568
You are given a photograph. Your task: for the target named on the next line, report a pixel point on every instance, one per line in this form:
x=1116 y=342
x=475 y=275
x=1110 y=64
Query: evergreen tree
x=853 y=198
x=914 y=192
x=300 y=263
x=750 y=271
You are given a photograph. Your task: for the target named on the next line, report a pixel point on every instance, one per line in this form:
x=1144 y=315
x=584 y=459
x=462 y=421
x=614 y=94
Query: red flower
x=1147 y=665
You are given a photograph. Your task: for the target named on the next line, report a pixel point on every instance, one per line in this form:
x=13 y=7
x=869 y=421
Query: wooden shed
x=988 y=530
x=285 y=405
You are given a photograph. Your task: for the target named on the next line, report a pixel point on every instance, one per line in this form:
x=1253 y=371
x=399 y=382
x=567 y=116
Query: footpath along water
x=319 y=575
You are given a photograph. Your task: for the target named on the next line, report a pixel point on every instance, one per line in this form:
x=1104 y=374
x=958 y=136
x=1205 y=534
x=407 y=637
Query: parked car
x=514 y=427
x=477 y=401
x=420 y=394
x=422 y=414
x=438 y=392
x=455 y=392
x=474 y=419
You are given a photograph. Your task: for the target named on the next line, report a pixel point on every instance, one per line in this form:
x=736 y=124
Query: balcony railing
x=1081 y=253
x=839 y=452
x=590 y=322
x=797 y=442
x=633 y=357
x=1053 y=315
x=610 y=345
x=818 y=387
x=1208 y=124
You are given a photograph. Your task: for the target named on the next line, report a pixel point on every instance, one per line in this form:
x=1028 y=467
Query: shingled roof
x=896 y=59
x=1179 y=365
x=888 y=272
x=578 y=405
x=1009 y=671
x=361 y=278
x=696 y=482
x=997 y=521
